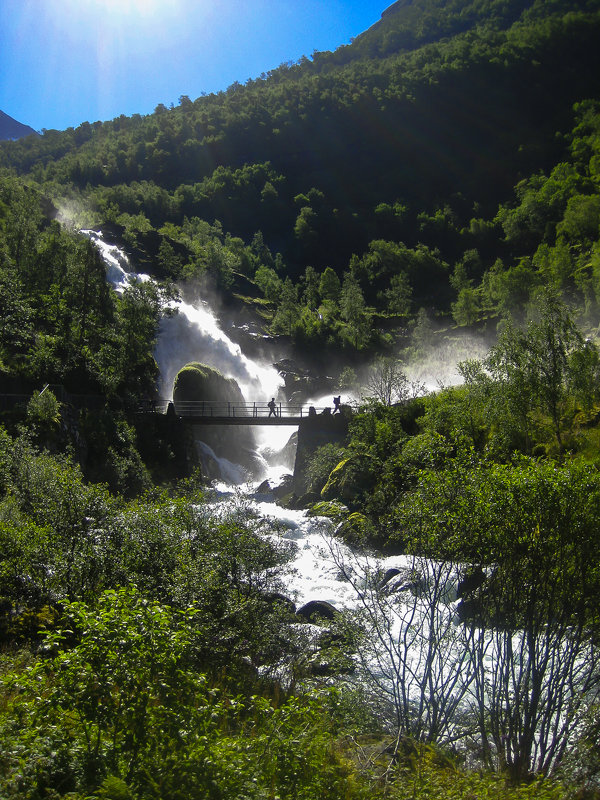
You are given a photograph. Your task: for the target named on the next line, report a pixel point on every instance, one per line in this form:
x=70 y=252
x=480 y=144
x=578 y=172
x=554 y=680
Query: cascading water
x=417 y=655
x=194 y=334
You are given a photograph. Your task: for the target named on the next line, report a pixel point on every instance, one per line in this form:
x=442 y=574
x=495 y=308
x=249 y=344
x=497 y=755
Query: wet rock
x=284 y=487
x=406 y=580
x=325 y=508
x=316 y=609
x=387 y=577
x=353 y=529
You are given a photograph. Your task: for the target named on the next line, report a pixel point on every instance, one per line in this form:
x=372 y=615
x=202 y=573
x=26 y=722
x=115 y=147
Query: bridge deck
x=205 y=412
x=207 y=420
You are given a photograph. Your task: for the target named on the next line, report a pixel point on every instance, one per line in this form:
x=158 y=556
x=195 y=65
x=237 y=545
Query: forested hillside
x=426 y=164
x=439 y=175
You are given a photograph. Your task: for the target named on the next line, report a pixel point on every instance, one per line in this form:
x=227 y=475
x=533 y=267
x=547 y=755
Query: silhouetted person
x=336 y=404
x=272 y=412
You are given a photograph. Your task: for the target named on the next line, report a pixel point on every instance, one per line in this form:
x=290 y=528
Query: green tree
x=329 y=285
x=466 y=309
x=534 y=368
x=268 y=282
x=529 y=527
x=287 y=317
x=353 y=312
x=310 y=295
x=399 y=294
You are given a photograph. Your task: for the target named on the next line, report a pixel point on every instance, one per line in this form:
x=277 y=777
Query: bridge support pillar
x=313 y=432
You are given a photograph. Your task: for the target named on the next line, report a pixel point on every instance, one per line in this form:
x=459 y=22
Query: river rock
x=284 y=487
x=387 y=577
x=264 y=488
x=353 y=529
x=325 y=508
x=404 y=580
x=317 y=608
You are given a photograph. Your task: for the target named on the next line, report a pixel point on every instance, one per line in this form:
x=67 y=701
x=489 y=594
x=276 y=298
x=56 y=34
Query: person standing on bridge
x=272 y=411
x=336 y=404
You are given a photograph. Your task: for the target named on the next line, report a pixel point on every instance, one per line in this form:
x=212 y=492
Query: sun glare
x=136 y=8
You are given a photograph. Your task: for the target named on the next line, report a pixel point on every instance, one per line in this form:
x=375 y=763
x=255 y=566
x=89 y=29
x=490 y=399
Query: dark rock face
x=313 y=432
x=196 y=382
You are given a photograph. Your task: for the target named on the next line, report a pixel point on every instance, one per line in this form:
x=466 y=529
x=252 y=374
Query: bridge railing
x=211 y=408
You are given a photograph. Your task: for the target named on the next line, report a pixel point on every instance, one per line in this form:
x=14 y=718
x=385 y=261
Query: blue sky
x=63 y=62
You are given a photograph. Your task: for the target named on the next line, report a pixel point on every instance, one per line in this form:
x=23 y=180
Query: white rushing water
x=194 y=334
x=315 y=572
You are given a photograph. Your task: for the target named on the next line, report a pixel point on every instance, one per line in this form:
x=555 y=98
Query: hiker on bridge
x=336 y=404
x=272 y=405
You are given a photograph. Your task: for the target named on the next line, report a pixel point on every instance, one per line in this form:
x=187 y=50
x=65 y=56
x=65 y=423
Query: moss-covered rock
x=351 y=479
x=354 y=529
x=323 y=508
x=195 y=382
x=198 y=381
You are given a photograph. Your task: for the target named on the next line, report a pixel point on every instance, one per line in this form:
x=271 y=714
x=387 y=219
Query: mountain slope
x=11 y=129
x=392 y=160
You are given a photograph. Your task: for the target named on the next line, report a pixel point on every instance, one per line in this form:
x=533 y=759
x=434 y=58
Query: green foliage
x=43 y=417
x=121 y=706
x=320 y=465
x=60 y=321
x=441 y=209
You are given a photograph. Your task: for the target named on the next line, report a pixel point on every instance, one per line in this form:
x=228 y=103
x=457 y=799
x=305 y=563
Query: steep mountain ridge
x=11 y=129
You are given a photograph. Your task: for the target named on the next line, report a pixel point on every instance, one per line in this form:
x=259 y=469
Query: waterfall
x=193 y=333
x=324 y=568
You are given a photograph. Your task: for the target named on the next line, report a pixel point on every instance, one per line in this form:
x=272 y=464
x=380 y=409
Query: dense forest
x=436 y=178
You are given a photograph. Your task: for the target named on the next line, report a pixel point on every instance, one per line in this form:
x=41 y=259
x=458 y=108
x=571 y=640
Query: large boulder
x=195 y=382
x=198 y=381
